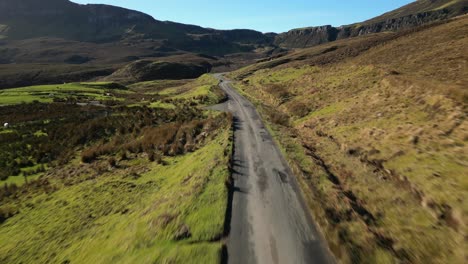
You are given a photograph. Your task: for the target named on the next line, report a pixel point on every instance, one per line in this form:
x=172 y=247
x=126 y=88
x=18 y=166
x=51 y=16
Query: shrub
x=279 y=118
x=112 y=162
x=7 y=212
x=88 y=156
x=8 y=190
x=123 y=155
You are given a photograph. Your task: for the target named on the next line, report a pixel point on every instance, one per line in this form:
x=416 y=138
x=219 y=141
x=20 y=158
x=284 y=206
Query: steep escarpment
x=394 y=24
x=410 y=16
x=307 y=37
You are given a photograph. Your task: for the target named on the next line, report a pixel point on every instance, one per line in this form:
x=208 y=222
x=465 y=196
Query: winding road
x=269 y=221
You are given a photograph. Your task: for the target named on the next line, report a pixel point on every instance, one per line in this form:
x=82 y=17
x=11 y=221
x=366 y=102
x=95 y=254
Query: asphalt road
x=269 y=222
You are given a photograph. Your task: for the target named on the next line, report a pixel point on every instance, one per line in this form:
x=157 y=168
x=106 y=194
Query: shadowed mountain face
x=24 y=19
x=412 y=15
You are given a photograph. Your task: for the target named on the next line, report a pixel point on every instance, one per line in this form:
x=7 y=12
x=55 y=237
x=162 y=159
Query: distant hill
x=412 y=15
x=26 y=19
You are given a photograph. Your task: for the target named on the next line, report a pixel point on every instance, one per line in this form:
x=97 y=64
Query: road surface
x=269 y=221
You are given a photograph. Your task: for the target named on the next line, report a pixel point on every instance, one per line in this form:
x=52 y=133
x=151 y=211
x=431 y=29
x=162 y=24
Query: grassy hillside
x=132 y=180
x=375 y=128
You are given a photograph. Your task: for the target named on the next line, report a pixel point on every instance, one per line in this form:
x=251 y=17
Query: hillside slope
x=376 y=128
x=412 y=15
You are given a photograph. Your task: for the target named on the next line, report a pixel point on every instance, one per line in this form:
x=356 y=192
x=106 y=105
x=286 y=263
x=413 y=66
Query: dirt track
x=269 y=222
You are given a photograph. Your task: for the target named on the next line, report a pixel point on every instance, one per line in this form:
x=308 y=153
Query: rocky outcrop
x=395 y=24
x=307 y=37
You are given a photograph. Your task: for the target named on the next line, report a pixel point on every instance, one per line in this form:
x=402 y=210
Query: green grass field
x=168 y=94
x=47 y=93
x=199 y=91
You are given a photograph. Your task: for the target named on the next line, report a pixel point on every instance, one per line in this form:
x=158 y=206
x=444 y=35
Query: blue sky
x=262 y=15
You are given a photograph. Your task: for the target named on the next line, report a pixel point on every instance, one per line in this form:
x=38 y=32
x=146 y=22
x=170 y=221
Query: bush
x=112 y=162
x=88 y=156
x=123 y=155
x=7 y=212
x=279 y=118
x=8 y=190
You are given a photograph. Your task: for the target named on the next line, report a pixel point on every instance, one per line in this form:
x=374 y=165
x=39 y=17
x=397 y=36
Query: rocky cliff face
x=394 y=24
x=308 y=37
